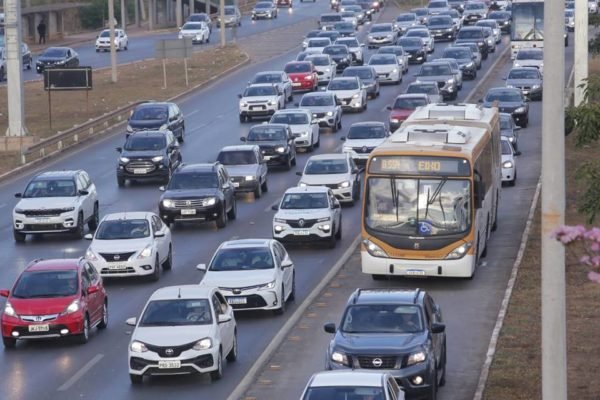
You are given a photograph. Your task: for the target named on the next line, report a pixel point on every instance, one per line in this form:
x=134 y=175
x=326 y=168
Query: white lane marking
x=79 y=374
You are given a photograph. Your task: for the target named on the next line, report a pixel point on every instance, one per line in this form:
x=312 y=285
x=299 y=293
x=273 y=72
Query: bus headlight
x=459 y=252
x=373 y=249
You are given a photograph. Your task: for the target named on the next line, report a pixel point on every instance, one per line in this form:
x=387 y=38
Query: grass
x=516 y=371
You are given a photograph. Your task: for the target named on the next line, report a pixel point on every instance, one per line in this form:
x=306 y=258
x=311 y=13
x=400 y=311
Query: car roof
x=56 y=174
x=347 y=378
x=281 y=126
x=59 y=48
x=153 y=103
x=330 y=156
x=182 y=292
x=317 y=94
x=368 y=123
x=199 y=167
x=269 y=85
x=426 y=83
x=244 y=243
x=239 y=147
x=307 y=189
x=54 y=264
x=386 y=295
x=269 y=73
x=127 y=215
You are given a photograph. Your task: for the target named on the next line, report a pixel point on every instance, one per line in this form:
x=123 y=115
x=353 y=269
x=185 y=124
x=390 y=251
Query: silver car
x=233 y=16
x=528 y=79
x=441 y=73
x=325 y=107
x=381 y=35
x=429 y=88
x=324 y=65
x=246 y=168
x=356 y=48
x=458 y=75
x=405 y=21
x=350 y=91
x=400 y=54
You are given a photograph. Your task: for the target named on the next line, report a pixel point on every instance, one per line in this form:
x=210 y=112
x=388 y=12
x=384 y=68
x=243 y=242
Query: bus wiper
x=394 y=197
x=437 y=191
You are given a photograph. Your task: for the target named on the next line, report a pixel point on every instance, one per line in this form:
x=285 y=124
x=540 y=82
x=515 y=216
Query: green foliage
x=594 y=46
x=594 y=20
x=95 y=15
x=589 y=202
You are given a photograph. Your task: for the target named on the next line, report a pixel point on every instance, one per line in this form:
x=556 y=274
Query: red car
x=281 y=3
x=302 y=74
x=404 y=105
x=54 y=298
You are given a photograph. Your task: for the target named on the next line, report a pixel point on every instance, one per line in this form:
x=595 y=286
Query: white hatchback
x=363 y=138
x=359 y=384
x=387 y=67
x=305 y=129
x=103 y=40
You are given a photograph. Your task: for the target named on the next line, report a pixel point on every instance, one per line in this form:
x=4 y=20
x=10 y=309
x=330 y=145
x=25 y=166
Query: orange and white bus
x=431 y=193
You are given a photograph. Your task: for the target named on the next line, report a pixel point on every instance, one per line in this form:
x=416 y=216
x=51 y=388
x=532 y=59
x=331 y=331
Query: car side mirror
x=201 y=267
x=239 y=96
x=343 y=138
x=438 y=328
x=93 y=289
x=336 y=205
x=83 y=192
x=88 y=236
x=355 y=170
x=517 y=153
x=131 y=321
x=299 y=173
x=389 y=108
x=517 y=128
x=243 y=139
x=329 y=327
x=286 y=263
x=275 y=207
x=224 y=318
x=18 y=195
x=159 y=234
x=4 y=293
x=119 y=149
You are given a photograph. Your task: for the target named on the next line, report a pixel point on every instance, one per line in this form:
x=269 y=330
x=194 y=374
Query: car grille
x=252 y=301
x=43 y=227
x=190 y=203
x=306 y=223
x=363 y=150
x=126 y=270
x=147 y=166
x=170 y=351
x=372 y=362
x=51 y=212
x=115 y=257
x=204 y=361
x=39 y=318
x=524 y=87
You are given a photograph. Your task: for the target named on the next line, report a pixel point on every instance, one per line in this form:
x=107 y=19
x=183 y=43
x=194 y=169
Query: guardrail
x=78 y=134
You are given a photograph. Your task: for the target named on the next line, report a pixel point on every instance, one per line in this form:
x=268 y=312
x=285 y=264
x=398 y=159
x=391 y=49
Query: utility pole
x=581 y=49
x=14 y=68
x=123 y=15
x=113 y=50
x=221 y=20
x=192 y=6
x=179 y=13
x=554 y=332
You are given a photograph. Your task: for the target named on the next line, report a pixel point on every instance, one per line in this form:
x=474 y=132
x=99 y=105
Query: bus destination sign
x=419 y=165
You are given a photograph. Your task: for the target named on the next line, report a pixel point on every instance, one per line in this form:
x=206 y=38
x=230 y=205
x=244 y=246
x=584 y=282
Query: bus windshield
x=528 y=21
x=418 y=206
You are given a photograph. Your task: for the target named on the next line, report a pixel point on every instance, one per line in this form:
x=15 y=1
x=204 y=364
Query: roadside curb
x=267 y=353
x=487 y=74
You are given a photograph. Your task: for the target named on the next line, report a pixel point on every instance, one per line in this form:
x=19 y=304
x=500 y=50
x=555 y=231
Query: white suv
x=130 y=244
x=56 y=202
x=362 y=384
x=103 y=40
x=253 y=274
x=260 y=100
x=182 y=330
x=305 y=130
x=335 y=171
x=350 y=91
x=308 y=214
x=362 y=138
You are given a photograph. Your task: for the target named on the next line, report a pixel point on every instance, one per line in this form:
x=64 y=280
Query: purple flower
x=594 y=276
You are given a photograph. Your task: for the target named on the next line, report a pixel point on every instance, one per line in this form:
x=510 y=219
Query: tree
x=583 y=245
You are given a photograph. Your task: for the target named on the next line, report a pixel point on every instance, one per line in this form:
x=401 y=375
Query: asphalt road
x=98 y=370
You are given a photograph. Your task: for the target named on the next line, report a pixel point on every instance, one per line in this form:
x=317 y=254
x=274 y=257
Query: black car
x=417 y=54
x=503 y=19
x=368 y=76
x=57 y=57
x=464 y=58
x=511 y=101
x=345 y=28
x=199 y=193
x=276 y=143
x=246 y=167
x=157 y=116
x=148 y=155
x=340 y=54
x=441 y=27
x=399 y=331
x=474 y=34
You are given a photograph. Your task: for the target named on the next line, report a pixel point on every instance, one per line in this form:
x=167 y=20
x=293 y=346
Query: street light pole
x=222 y=21
x=113 y=50
x=14 y=69
x=554 y=348
x=581 y=49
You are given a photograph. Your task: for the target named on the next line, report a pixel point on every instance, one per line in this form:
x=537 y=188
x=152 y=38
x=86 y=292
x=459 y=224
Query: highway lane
x=212 y=123
x=142 y=46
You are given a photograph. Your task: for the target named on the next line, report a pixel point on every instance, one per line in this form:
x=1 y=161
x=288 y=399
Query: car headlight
x=416 y=358
x=507 y=164
x=339 y=358
x=90 y=255
x=459 y=252
x=146 y=252
x=9 y=310
x=511 y=139
x=167 y=203
x=163 y=127
x=345 y=184
x=448 y=29
x=355 y=96
x=302 y=184
x=280 y=149
x=450 y=81
x=180 y=36
x=210 y=201
x=535 y=87
x=330 y=113
x=124 y=159
x=266 y=286
x=71 y=308
x=308 y=77
x=129 y=128
x=327 y=70
x=272 y=103
x=249 y=178
x=479 y=43
x=157 y=158
x=203 y=344
x=394 y=70
x=243 y=104
x=138 y=347
x=510 y=86
x=520 y=110
x=516 y=64
x=373 y=249
x=279 y=220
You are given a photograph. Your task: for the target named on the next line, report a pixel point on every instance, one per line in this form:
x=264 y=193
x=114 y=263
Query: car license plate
x=267 y=158
x=236 y=184
x=139 y=171
x=302 y=233
x=169 y=364
x=189 y=211
x=39 y=328
x=117 y=266
x=296 y=84
x=42 y=219
x=237 y=300
x=415 y=272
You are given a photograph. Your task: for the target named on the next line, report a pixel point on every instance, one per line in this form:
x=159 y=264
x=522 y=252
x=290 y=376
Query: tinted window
x=318 y=42
x=504 y=95
x=470 y=34
x=324 y=167
x=409 y=103
x=149 y=113
x=41 y=284
x=384 y=59
x=123 y=229
x=427 y=89
x=192 y=26
x=145 y=143
x=333 y=50
x=177 y=312
x=382 y=318
x=267 y=134
x=237 y=157
x=50 y=188
x=319 y=60
x=366 y=132
x=406 y=17
x=381 y=28
x=193 y=180
x=410 y=42
x=524 y=74
x=290 y=119
x=434 y=70
x=343 y=84
x=55 y=52
x=316 y=101
x=260 y=91
x=242 y=259
x=457 y=53
x=530 y=55
x=297 y=67
x=362 y=73
x=417 y=33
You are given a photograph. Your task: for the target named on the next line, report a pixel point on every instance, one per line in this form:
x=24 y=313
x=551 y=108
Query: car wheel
x=233 y=354
x=84 y=336
x=222 y=219
x=181 y=137
x=19 y=236
x=156 y=273
x=318 y=142
x=434 y=388
x=332 y=241
x=9 y=343
x=97 y=50
x=292 y=295
x=443 y=378
x=288 y=164
x=120 y=182
x=281 y=309
x=242 y=119
x=258 y=191
x=29 y=64
x=265 y=186
x=364 y=107
x=168 y=264
x=218 y=373
x=78 y=231
x=93 y=223
x=104 y=322
x=338 y=234
x=136 y=379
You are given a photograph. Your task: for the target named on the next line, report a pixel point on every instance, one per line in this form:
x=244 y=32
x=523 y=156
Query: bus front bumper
x=461 y=268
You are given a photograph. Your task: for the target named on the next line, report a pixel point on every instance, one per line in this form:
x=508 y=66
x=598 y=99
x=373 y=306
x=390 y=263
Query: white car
x=336 y=171
x=350 y=91
x=355 y=48
x=305 y=129
x=493 y=25
x=387 y=68
x=278 y=78
x=316 y=45
x=355 y=384
x=424 y=34
x=400 y=54
x=381 y=35
x=362 y=138
x=509 y=164
x=56 y=202
x=592 y=6
x=182 y=330
x=435 y=7
x=531 y=57
x=405 y=21
x=570 y=20
x=325 y=66
x=131 y=244
x=308 y=214
x=260 y=101
x=103 y=40
x=350 y=16
x=253 y=274
x=199 y=32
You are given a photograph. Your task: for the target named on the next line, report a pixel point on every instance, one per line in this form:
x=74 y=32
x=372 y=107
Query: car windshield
x=149 y=114
x=366 y=132
x=297 y=68
x=410 y=42
x=409 y=103
x=316 y=101
x=499 y=15
x=344 y=392
x=451 y=13
x=437 y=4
x=417 y=33
x=145 y=143
x=193 y=180
x=192 y=26
x=312 y=34
x=524 y=74
x=242 y=259
x=382 y=318
x=263 y=5
x=506 y=147
x=40 y=284
x=290 y=119
x=105 y=34
x=267 y=78
x=384 y=59
x=123 y=229
x=470 y=34
x=458 y=54
x=422 y=88
x=317 y=42
x=319 y=61
x=50 y=188
x=348 y=14
x=265 y=134
x=474 y=6
x=506 y=123
x=362 y=73
x=530 y=55
x=229 y=11
x=331 y=18
x=348 y=42
x=304 y=201
x=418 y=207
x=240 y=157
x=177 y=312
x=381 y=28
x=255 y=91
x=406 y=17
x=55 y=52
x=198 y=17
x=396 y=50
x=343 y=84
x=420 y=11
x=440 y=21
x=335 y=50
x=435 y=70
x=326 y=167
x=504 y=96
x=340 y=26
x=487 y=24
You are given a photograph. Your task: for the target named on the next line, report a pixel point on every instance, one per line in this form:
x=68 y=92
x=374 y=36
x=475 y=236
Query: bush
x=95 y=15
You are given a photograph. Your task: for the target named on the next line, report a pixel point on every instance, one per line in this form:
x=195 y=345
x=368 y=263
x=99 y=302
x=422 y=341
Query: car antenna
x=179 y=293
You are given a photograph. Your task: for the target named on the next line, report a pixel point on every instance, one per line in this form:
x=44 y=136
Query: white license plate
x=39 y=328
x=190 y=211
x=415 y=272
x=296 y=84
x=237 y=300
x=267 y=158
x=117 y=266
x=301 y=233
x=236 y=184
x=169 y=364
x=139 y=171
x=42 y=219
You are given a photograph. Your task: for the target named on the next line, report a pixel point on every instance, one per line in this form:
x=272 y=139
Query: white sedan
x=199 y=32
x=304 y=128
x=509 y=164
x=103 y=40
x=387 y=68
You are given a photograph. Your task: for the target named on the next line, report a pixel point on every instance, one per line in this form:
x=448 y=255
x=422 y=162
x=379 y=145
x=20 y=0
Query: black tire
x=121 y=183
x=338 y=234
x=222 y=220
x=258 y=191
x=168 y=264
x=233 y=353
x=242 y=119
x=377 y=277
x=265 y=187
x=181 y=138
x=292 y=295
x=136 y=379
x=19 y=236
x=318 y=142
x=294 y=160
x=29 y=65
x=156 y=273
x=93 y=222
x=332 y=241
x=288 y=164
x=218 y=373
x=487 y=233
x=78 y=231
x=232 y=214
x=281 y=309
x=443 y=378
x=84 y=336
x=104 y=322
x=9 y=343
x=434 y=388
